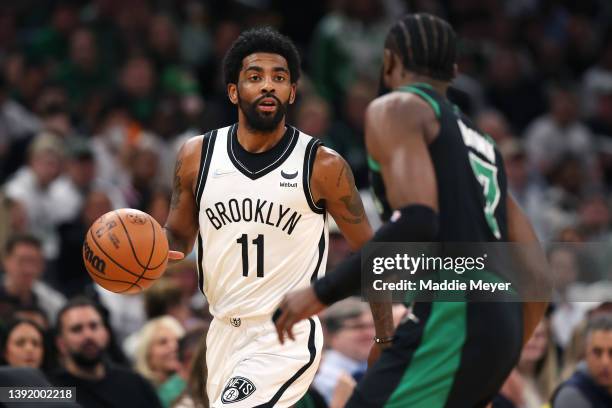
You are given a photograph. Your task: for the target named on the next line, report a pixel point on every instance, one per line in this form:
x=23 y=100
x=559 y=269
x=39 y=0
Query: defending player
x=255 y=195
x=447 y=181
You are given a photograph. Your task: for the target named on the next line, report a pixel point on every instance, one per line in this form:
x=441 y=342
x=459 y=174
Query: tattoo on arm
x=340 y=176
x=351 y=202
x=353 y=205
x=176 y=192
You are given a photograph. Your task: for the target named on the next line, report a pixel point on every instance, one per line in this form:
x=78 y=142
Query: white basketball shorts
x=249 y=368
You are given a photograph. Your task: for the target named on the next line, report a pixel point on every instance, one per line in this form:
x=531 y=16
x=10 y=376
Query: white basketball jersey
x=261 y=235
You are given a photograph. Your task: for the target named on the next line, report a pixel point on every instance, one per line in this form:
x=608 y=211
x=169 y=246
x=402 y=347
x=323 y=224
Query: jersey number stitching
x=259 y=243
x=486 y=174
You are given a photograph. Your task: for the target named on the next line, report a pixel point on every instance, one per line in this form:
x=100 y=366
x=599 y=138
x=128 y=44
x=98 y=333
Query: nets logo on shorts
x=237 y=389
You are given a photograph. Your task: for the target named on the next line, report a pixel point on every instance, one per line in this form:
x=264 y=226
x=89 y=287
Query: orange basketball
x=125 y=251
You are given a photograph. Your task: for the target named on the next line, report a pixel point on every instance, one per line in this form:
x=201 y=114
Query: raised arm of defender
x=182 y=223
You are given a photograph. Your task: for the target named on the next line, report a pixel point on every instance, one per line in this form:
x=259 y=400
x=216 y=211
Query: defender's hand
x=294 y=307
x=175 y=255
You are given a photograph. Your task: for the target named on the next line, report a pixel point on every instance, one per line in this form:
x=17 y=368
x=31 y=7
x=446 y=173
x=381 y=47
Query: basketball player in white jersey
x=254 y=196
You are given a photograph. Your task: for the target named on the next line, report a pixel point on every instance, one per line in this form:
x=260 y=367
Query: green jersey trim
x=424 y=95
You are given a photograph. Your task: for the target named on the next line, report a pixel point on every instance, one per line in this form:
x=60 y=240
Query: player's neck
x=255 y=141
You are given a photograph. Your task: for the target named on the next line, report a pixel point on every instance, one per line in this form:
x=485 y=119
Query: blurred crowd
x=97 y=96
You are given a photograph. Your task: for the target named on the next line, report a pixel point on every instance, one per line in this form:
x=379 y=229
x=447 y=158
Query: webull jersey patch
x=237 y=389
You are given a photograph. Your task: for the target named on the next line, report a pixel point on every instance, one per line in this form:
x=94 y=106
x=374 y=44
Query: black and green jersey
x=469 y=172
x=451 y=354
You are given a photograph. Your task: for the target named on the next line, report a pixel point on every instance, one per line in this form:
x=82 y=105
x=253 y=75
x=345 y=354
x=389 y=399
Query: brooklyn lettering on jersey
x=249 y=210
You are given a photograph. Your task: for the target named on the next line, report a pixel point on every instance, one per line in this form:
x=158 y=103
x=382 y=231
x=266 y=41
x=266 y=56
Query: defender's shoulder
x=398 y=105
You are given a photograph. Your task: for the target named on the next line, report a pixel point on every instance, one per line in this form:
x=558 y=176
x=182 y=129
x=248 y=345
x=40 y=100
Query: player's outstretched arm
x=396 y=129
x=333 y=182
x=397 y=126
x=532 y=263
x=182 y=223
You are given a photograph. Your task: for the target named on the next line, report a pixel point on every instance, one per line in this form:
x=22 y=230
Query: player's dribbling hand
x=175 y=255
x=294 y=307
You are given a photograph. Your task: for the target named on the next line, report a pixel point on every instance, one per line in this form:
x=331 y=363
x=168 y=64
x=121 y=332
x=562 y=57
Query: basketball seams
x=165 y=259
x=152 y=268
x=111 y=259
x=148 y=267
x=135 y=281
x=130 y=240
x=145 y=268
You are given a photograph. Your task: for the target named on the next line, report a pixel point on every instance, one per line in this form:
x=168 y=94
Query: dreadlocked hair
x=426 y=45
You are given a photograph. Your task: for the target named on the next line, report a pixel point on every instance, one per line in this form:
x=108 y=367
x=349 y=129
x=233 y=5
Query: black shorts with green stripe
x=453 y=355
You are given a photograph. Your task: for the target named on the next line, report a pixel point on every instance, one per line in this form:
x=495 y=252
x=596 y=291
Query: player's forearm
x=383 y=318
x=343 y=282
x=417 y=223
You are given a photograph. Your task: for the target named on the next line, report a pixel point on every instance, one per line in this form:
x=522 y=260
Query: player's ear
x=389 y=63
x=232 y=93
x=292 y=93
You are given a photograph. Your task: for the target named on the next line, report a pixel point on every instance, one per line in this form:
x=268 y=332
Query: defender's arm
x=396 y=125
x=396 y=131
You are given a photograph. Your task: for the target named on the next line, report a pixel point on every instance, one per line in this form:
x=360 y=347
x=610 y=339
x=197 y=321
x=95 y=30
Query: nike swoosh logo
x=289 y=176
x=221 y=173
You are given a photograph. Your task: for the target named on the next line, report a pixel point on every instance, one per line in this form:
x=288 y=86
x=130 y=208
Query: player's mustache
x=267 y=95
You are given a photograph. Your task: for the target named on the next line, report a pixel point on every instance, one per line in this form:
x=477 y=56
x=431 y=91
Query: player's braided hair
x=426 y=44
x=262 y=39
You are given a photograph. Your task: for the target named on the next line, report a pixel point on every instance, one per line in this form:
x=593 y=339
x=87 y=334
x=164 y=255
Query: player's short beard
x=261 y=122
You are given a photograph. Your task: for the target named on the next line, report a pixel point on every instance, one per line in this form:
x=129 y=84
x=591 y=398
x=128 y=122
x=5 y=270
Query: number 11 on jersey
x=259 y=243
